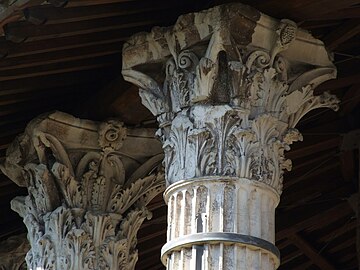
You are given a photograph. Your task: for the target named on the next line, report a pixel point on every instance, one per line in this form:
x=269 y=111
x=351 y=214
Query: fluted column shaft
x=224 y=223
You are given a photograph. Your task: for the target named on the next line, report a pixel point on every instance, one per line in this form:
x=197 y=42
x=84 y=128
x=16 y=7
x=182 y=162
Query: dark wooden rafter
x=351 y=241
x=323 y=190
x=339 y=231
x=57 y=80
x=340 y=82
x=21 y=31
x=305 y=148
x=346 y=13
x=317 y=8
x=291 y=256
x=61 y=68
x=311 y=253
x=13 y=63
x=317 y=170
x=77 y=3
x=52 y=15
x=301 y=220
x=303 y=266
x=341 y=34
x=351 y=99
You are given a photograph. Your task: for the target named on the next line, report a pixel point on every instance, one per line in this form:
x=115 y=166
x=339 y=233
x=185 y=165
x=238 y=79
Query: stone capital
x=228 y=86
x=89 y=184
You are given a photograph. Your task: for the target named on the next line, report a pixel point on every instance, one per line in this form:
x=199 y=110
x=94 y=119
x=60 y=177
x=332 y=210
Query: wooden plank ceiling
x=66 y=55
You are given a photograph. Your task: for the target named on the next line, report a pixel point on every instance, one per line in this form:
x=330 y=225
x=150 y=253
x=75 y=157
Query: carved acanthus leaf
x=80 y=204
x=251 y=70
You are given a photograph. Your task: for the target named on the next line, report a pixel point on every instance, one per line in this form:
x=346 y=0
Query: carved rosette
x=224 y=108
x=84 y=206
x=228 y=86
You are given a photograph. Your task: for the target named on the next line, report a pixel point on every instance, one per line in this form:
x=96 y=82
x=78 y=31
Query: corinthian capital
x=89 y=184
x=228 y=86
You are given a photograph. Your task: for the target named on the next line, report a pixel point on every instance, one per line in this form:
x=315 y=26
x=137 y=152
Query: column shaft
x=224 y=223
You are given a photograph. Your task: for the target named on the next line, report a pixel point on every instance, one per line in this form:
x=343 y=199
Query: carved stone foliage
x=228 y=101
x=88 y=190
x=12 y=253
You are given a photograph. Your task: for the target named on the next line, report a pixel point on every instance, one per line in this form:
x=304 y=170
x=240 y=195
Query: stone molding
x=228 y=86
x=89 y=184
x=233 y=218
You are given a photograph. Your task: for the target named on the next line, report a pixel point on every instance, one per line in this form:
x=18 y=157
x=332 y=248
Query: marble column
x=228 y=86
x=88 y=184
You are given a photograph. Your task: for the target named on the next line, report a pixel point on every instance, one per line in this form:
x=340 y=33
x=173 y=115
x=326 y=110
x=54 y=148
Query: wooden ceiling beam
x=9 y=97
x=353 y=264
x=308 y=147
x=316 y=8
x=341 y=34
x=338 y=232
x=346 y=13
x=344 y=244
x=327 y=166
x=155 y=234
x=62 y=67
x=46 y=58
x=52 y=15
x=77 y=3
x=57 y=80
x=149 y=260
x=11 y=124
x=308 y=216
x=302 y=266
x=299 y=10
x=291 y=256
x=312 y=25
x=119 y=99
x=11 y=189
x=283 y=243
x=156 y=267
x=71 y=42
x=320 y=203
x=155 y=221
x=347 y=165
x=347 y=256
x=16 y=227
x=338 y=83
x=297 y=166
x=311 y=253
x=26 y=107
x=23 y=30
x=32 y=109
x=350 y=100
x=150 y=246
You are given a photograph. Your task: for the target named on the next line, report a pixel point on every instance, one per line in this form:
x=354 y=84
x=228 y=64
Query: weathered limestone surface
x=12 y=253
x=89 y=184
x=228 y=86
